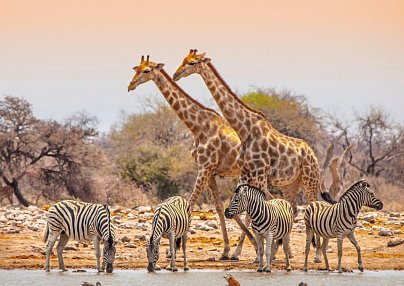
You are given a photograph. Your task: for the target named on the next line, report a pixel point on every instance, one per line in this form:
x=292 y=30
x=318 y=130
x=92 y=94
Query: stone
x=130 y=245
x=143 y=209
x=385 y=232
x=125 y=239
x=212 y=224
x=211 y=259
x=395 y=241
x=371 y=218
x=394 y=214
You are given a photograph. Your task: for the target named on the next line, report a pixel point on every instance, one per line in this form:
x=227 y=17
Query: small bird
x=231 y=280
x=302 y=284
x=90 y=284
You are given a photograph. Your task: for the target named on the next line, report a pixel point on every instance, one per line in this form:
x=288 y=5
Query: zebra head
x=153 y=252
x=238 y=203
x=369 y=198
x=108 y=233
x=109 y=254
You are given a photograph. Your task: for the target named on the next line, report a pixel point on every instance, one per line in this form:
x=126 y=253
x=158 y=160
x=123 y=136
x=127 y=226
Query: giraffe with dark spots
x=216 y=144
x=253 y=128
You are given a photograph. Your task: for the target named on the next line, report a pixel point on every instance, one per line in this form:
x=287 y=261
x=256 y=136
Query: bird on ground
x=90 y=284
x=231 y=280
x=302 y=284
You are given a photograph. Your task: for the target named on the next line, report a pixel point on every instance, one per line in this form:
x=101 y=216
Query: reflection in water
x=200 y=278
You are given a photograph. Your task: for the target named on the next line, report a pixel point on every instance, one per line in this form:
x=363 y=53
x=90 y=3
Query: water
x=200 y=278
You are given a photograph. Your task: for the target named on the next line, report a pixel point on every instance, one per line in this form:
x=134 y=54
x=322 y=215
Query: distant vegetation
x=146 y=157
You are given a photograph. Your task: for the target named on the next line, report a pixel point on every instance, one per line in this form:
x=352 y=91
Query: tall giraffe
x=216 y=146
x=266 y=155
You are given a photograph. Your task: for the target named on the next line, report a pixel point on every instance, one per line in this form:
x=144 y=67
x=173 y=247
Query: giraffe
x=266 y=155
x=216 y=145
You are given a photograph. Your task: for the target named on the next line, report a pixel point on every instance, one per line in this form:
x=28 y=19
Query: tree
x=152 y=150
x=53 y=156
x=290 y=114
x=378 y=143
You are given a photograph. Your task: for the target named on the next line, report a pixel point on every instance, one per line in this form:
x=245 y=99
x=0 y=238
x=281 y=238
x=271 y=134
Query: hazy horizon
x=69 y=56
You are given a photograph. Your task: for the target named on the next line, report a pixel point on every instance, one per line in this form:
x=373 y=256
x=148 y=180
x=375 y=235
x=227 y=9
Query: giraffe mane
x=214 y=70
x=165 y=74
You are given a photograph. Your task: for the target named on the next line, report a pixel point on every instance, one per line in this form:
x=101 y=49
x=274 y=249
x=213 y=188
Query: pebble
x=385 y=232
x=395 y=241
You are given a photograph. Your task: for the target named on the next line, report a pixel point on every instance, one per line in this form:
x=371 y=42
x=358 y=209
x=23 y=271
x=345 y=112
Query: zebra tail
x=327 y=197
x=178 y=243
x=45 y=233
x=280 y=241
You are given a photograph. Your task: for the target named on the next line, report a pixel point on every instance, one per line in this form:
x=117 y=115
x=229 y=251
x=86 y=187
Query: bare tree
x=51 y=154
x=379 y=142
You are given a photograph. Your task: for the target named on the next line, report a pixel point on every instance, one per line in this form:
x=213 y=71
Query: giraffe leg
x=245 y=232
x=201 y=182
x=219 y=208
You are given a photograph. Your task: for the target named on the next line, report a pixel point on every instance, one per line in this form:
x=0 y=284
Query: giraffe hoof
x=234 y=258
x=224 y=257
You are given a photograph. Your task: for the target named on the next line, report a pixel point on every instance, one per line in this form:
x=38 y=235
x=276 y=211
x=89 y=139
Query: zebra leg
x=184 y=249
x=339 y=243
x=268 y=252
x=53 y=236
x=352 y=238
x=219 y=208
x=96 y=242
x=63 y=239
x=286 y=250
x=309 y=237
x=171 y=238
x=317 y=259
x=260 y=254
x=324 y=249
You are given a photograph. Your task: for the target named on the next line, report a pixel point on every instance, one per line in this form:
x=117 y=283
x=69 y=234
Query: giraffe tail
x=327 y=197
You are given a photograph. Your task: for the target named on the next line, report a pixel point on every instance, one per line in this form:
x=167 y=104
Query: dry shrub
x=391 y=195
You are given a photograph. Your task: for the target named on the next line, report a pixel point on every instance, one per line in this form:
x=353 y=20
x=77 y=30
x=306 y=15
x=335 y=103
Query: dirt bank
x=21 y=245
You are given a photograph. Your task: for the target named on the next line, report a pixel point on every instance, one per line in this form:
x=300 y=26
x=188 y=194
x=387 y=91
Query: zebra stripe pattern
x=339 y=220
x=271 y=220
x=82 y=222
x=172 y=219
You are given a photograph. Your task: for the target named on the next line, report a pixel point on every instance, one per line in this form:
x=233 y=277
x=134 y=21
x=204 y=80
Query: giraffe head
x=191 y=64
x=144 y=72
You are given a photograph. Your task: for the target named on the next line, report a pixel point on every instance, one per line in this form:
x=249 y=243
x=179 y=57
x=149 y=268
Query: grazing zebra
x=271 y=220
x=82 y=222
x=172 y=219
x=338 y=220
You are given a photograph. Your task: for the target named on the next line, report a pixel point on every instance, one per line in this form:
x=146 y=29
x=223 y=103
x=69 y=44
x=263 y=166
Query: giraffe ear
x=159 y=66
x=206 y=60
x=135 y=68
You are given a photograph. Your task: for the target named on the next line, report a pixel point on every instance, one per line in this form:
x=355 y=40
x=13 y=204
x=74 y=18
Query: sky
x=71 y=56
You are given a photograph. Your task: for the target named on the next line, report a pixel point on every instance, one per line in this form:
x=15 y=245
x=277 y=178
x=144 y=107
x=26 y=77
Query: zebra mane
x=250 y=187
x=354 y=187
x=110 y=239
x=153 y=227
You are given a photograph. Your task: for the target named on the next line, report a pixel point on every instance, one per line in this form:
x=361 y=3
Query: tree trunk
x=18 y=194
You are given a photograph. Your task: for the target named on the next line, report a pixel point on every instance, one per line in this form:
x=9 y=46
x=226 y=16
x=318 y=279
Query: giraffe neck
x=240 y=116
x=187 y=108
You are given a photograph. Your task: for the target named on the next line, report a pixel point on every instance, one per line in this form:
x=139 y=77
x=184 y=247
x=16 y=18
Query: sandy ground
x=25 y=249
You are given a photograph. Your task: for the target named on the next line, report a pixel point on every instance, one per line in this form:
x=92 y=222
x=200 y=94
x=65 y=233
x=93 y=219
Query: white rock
x=143 y=208
x=385 y=232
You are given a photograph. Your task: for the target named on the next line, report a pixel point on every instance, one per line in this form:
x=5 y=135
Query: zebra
x=172 y=219
x=338 y=220
x=271 y=220
x=82 y=222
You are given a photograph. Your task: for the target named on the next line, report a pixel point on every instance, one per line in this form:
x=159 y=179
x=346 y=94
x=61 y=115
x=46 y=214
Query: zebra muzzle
x=227 y=213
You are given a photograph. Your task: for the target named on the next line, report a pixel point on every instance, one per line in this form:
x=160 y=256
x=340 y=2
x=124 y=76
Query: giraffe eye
x=192 y=63
x=146 y=71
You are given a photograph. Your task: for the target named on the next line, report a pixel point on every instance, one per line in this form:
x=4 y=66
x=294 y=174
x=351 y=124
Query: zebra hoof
x=225 y=257
x=288 y=269
x=174 y=270
x=259 y=270
x=317 y=260
x=47 y=270
x=234 y=258
x=186 y=269
x=305 y=269
x=360 y=269
x=268 y=270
